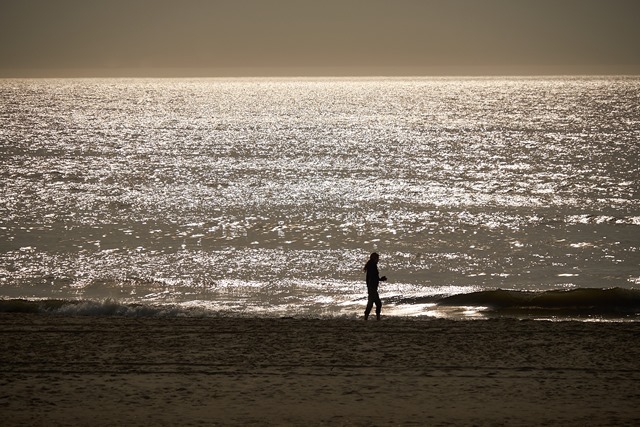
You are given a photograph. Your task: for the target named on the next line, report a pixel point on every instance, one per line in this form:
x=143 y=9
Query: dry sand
x=107 y=371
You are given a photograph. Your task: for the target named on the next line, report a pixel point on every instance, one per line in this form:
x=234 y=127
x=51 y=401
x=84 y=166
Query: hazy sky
x=318 y=37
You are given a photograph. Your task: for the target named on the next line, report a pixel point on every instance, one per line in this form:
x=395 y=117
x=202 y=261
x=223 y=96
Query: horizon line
x=319 y=72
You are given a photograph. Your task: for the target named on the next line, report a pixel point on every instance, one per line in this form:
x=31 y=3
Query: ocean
x=485 y=197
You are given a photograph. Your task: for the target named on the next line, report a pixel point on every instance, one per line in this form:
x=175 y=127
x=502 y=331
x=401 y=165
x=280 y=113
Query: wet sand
x=103 y=371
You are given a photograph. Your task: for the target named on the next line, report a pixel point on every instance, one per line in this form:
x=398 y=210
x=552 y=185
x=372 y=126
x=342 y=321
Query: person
x=373 y=279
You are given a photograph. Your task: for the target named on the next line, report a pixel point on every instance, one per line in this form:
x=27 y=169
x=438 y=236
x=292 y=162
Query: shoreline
x=75 y=370
x=579 y=304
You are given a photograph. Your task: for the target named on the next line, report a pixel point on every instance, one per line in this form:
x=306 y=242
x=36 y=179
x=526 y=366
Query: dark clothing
x=374 y=298
x=373 y=279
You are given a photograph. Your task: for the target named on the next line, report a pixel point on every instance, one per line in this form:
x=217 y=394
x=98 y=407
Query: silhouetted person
x=373 y=279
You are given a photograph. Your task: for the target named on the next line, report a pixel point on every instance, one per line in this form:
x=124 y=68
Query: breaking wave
x=559 y=304
x=98 y=308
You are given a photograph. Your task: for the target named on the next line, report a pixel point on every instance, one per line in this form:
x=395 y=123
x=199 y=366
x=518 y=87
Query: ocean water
x=485 y=196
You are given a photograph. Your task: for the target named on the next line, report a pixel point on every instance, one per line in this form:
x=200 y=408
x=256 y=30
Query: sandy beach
x=102 y=371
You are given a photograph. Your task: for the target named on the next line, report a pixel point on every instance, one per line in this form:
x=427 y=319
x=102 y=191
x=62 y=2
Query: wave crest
x=584 y=300
x=106 y=307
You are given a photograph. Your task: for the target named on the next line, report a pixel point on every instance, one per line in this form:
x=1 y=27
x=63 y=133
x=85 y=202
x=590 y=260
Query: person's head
x=373 y=259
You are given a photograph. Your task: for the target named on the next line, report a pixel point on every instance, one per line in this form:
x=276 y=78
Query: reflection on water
x=272 y=192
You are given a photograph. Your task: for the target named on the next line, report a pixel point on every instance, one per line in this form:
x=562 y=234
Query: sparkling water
x=268 y=195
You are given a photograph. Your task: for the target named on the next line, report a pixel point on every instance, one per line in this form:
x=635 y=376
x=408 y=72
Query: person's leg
x=378 y=306
x=369 y=306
